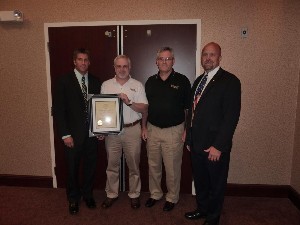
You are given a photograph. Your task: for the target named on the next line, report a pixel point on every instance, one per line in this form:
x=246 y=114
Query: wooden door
x=140 y=43
x=102 y=43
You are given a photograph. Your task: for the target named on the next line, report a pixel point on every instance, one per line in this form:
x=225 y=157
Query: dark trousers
x=210 y=180
x=87 y=153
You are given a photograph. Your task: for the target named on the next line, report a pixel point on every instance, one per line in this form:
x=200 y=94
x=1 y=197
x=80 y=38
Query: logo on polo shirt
x=175 y=87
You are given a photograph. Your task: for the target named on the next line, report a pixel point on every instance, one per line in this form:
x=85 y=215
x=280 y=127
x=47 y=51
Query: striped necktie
x=197 y=95
x=199 y=90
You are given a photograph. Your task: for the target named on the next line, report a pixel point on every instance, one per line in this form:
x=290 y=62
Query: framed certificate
x=105 y=114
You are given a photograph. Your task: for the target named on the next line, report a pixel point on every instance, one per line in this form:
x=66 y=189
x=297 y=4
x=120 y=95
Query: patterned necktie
x=84 y=93
x=198 y=95
x=199 y=90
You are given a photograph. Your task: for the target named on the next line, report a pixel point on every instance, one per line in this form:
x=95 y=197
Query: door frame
x=104 y=23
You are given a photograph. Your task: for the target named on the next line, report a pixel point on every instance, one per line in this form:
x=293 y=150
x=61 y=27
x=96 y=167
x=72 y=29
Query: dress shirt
x=79 y=78
x=210 y=76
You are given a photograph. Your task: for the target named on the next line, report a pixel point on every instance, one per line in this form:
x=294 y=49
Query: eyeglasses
x=121 y=66
x=161 y=59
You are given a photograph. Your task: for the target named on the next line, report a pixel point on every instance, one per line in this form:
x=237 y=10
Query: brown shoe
x=108 y=202
x=135 y=203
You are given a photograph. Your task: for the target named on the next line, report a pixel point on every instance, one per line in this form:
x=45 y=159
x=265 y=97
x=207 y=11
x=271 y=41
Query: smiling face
x=165 y=61
x=82 y=63
x=211 y=56
x=122 y=68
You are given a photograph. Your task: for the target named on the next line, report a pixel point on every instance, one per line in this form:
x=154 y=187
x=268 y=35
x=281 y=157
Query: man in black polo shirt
x=168 y=94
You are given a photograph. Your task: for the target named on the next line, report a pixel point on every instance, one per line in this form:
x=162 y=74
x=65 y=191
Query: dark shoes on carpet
x=168 y=206
x=73 y=208
x=195 y=215
x=108 y=202
x=150 y=202
x=135 y=203
x=74 y=205
x=90 y=203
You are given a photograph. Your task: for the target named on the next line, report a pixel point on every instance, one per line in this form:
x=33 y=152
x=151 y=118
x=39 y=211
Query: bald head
x=213 y=45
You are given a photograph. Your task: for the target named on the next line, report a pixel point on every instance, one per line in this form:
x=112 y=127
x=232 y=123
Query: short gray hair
x=164 y=49
x=123 y=57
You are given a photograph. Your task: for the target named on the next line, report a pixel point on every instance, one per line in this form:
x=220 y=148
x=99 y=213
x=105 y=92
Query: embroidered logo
x=175 y=87
x=132 y=89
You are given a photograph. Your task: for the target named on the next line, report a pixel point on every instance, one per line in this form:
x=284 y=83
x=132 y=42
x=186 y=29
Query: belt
x=132 y=124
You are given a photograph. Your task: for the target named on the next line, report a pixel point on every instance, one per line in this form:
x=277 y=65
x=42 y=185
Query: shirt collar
x=212 y=73
x=115 y=80
x=79 y=75
x=171 y=74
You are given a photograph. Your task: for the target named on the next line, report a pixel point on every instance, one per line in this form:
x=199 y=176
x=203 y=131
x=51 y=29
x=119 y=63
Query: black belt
x=132 y=124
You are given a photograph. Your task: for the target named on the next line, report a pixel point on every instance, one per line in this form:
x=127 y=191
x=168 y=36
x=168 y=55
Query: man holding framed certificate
x=135 y=106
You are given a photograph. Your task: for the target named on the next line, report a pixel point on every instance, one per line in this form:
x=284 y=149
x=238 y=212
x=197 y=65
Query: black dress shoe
x=108 y=202
x=135 y=203
x=73 y=208
x=150 y=202
x=195 y=215
x=90 y=203
x=168 y=206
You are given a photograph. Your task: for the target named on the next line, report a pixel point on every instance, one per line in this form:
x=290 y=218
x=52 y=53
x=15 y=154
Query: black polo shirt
x=167 y=99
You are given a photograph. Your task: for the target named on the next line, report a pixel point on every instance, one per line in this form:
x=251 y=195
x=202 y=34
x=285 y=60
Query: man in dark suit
x=212 y=120
x=71 y=117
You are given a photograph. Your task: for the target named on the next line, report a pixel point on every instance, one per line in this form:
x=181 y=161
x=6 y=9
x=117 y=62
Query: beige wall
x=267 y=63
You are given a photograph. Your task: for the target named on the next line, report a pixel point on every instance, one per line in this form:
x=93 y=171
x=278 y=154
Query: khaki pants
x=130 y=142
x=165 y=144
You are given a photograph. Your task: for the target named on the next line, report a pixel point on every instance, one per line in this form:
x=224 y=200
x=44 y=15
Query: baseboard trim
x=258 y=190
x=262 y=190
x=26 y=181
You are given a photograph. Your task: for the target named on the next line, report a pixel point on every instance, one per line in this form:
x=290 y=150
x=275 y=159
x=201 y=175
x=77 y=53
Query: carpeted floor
x=38 y=206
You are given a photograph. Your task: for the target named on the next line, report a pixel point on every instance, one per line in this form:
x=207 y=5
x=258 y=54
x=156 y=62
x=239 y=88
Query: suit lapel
x=77 y=87
x=91 y=85
x=212 y=82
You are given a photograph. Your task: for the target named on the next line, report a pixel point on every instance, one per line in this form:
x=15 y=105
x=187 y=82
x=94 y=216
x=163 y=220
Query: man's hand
x=69 y=142
x=214 y=154
x=101 y=137
x=124 y=98
x=144 y=134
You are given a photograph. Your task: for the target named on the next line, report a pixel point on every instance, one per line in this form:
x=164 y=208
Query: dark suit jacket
x=216 y=114
x=68 y=106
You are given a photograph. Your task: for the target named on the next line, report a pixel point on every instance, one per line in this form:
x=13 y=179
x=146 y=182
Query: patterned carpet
x=38 y=206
